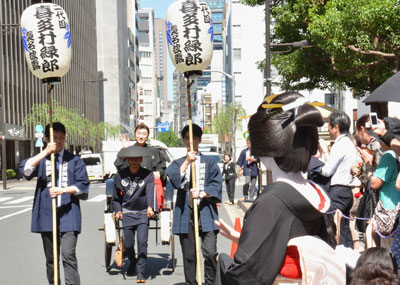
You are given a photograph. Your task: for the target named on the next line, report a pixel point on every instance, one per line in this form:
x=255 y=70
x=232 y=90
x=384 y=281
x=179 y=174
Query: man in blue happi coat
x=248 y=169
x=72 y=185
x=208 y=191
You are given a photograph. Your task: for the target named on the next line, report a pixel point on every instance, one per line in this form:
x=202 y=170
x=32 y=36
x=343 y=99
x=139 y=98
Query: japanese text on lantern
x=206 y=12
x=48 y=52
x=191 y=33
x=173 y=37
x=30 y=47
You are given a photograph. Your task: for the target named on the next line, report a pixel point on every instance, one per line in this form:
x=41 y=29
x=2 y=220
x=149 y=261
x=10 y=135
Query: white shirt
x=342 y=157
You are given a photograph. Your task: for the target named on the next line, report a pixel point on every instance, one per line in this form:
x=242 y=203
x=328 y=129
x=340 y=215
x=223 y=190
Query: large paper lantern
x=190 y=35
x=46 y=39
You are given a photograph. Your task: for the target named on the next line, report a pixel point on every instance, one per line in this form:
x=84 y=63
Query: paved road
x=23 y=261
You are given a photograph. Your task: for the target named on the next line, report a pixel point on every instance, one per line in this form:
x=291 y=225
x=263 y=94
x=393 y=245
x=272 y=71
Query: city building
x=133 y=59
x=160 y=31
x=149 y=101
x=118 y=61
x=20 y=90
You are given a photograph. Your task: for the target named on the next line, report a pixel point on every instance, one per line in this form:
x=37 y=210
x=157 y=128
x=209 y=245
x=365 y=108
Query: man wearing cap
x=154 y=162
x=72 y=185
x=207 y=194
x=133 y=201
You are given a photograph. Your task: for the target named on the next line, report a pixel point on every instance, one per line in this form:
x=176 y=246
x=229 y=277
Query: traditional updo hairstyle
x=290 y=137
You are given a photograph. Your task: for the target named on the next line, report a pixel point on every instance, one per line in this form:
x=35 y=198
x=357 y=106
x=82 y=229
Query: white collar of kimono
x=299 y=182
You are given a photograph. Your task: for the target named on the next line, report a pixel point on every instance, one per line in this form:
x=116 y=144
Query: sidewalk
x=243 y=205
x=23 y=184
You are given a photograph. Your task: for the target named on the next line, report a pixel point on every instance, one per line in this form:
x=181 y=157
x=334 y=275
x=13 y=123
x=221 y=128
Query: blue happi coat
x=211 y=178
x=249 y=169
x=69 y=212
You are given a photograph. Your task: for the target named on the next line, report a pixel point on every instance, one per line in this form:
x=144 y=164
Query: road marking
x=20 y=200
x=98 y=198
x=5 y=199
x=16 y=213
x=12 y=207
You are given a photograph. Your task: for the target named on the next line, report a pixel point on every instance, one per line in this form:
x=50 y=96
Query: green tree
x=170 y=138
x=225 y=121
x=77 y=126
x=355 y=44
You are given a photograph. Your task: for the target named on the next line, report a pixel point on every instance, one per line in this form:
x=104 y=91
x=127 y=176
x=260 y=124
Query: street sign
x=163 y=127
x=39 y=143
x=38 y=129
x=39 y=136
x=246 y=135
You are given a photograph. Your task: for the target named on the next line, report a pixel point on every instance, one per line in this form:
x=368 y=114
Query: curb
x=23 y=184
x=244 y=206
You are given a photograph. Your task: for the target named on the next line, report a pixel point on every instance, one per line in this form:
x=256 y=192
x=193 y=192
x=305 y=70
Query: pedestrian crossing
x=26 y=200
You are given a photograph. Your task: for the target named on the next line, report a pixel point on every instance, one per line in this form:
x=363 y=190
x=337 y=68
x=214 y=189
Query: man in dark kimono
x=72 y=185
x=208 y=193
x=134 y=202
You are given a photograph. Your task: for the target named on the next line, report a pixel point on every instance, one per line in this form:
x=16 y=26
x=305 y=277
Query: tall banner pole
x=195 y=200
x=53 y=184
x=46 y=38
x=190 y=37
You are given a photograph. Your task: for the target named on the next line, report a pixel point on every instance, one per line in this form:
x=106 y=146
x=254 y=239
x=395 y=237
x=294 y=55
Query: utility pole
x=267 y=75
x=267 y=69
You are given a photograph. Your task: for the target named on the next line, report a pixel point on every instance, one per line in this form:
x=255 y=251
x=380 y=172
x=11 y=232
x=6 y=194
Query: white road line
x=5 y=199
x=20 y=200
x=13 y=207
x=98 y=198
x=16 y=213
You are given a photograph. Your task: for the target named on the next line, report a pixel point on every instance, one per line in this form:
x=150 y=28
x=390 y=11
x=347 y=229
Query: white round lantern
x=190 y=35
x=46 y=38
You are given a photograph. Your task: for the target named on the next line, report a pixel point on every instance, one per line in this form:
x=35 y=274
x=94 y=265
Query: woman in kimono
x=283 y=133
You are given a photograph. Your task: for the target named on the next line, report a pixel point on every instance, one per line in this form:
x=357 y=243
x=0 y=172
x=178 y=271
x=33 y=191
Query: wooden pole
x=53 y=184
x=195 y=200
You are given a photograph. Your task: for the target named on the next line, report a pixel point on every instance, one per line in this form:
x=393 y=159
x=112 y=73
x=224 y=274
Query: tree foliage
x=355 y=43
x=170 y=138
x=79 y=128
x=224 y=122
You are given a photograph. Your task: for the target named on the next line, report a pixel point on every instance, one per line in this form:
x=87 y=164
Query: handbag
x=385 y=220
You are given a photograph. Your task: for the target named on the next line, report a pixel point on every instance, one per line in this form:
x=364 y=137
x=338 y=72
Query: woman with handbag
x=230 y=176
x=384 y=178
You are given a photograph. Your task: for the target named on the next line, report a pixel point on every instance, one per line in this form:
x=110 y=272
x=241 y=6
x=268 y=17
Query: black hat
x=134 y=151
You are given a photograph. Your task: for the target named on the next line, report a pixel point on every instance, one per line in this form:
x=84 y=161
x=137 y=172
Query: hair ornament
x=295 y=104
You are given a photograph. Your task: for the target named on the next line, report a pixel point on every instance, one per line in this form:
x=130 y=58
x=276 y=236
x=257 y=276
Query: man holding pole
x=207 y=193
x=72 y=184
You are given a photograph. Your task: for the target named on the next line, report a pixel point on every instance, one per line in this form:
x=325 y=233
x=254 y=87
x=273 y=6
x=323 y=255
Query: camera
x=374 y=120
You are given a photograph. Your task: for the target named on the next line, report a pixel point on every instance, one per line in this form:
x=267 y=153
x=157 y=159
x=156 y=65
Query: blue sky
x=160 y=11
